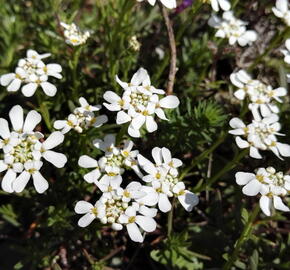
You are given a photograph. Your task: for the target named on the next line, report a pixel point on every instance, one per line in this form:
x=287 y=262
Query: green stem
x=44 y=111
x=203 y=155
x=170 y=219
x=75 y=77
x=244 y=236
x=227 y=168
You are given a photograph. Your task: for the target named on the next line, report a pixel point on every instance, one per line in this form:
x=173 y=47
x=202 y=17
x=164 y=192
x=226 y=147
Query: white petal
x=188 y=200
x=33 y=118
x=16 y=117
x=134 y=232
x=6 y=79
x=83 y=207
x=252 y=188
x=241 y=143
x=14 y=86
x=29 y=89
x=284 y=149
x=237 y=123
x=54 y=139
x=134 y=132
x=278 y=204
x=240 y=94
x=151 y=125
x=57 y=159
x=86 y=220
x=265 y=204
x=93 y=176
x=138 y=121
x=148 y=224
x=87 y=162
x=164 y=203
x=7 y=181
x=21 y=181
x=169 y=102
x=243 y=178
x=4 y=129
x=111 y=97
x=122 y=118
x=48 y=88
x=254 y=153
x=39 y=182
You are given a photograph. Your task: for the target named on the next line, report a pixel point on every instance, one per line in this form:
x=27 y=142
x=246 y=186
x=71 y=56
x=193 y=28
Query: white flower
x=282 y=11
x=82 y=119
x=118 y=208
x=261 y=96
x=139 y=103
x=167 y=3
x=74 y=36
x=109 y=168
x=163 y=178
x=270 y=184
x=216 y=4
x=131 y=219
x=91 y=212
x=233 y=29
x=260 y=135
x=23 y=151
x=32 y=72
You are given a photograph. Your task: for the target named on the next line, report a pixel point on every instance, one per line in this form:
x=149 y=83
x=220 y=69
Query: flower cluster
x=168 y=3
x=233 y=29
x=260 y=135
x=118 y=207
x=164 y=182
x=282 y=11
x=24 y=149
x=139 y=103
x=73 y=35
x=217 y=4
x=109 y=168
x=32 y=72
x=261 y=96
x=272 y=185
x=82 y=118
x=130 y=206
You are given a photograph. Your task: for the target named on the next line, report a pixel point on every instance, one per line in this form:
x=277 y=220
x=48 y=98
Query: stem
x=244 y=236
x=172 y=44
x=170 y=219
x=203 y=155
x=44 y=111
x=75 y=79
x=227 y=168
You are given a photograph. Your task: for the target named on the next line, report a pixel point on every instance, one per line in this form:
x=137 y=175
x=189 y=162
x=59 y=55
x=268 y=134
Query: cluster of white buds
x=82 y=118
x=23 y=150
x=233 y=29
x=109 y=168
x=270 y=184
x=32 y=72
x=164 y=182
x=260 y=135
x=74 y=36
x=262 y=97
x=139 y=103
